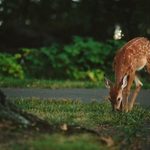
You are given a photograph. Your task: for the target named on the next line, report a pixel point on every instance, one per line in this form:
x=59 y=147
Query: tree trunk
x=12 y=117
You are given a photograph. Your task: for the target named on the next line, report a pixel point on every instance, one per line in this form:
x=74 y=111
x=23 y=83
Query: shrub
x=87 y=54
x=83 y=59
x=41 y=62
x=96 y=75
x=10 y=67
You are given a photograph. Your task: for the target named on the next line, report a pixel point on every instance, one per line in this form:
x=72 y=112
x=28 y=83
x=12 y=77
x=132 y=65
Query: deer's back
x=132 y=56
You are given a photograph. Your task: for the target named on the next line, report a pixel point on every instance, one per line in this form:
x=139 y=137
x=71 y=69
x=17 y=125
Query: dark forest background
x=36 y=23
x=71 y=39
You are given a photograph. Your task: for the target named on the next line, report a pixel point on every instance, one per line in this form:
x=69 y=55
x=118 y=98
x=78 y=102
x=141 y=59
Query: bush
x=41 y=62
x=10 y=67
x=82 y=59
x=88 y=54
x=92 y=75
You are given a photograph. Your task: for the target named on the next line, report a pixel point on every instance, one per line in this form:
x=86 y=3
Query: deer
x=129 y=59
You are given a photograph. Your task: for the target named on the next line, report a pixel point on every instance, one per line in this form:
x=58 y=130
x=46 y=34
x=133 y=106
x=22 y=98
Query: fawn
x=132 y=57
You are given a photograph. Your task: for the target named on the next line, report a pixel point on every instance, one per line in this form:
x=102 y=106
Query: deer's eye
x=118 y=99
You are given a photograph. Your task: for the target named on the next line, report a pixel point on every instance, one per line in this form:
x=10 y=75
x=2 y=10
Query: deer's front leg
x=127 y=92
x=125 y=100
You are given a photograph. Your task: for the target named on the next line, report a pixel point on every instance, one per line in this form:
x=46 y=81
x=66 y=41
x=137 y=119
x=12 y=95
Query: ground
x=69 y=124
x=77 y=125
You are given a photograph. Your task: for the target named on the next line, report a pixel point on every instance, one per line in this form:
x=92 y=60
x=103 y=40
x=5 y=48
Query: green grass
x=83 y=114
x=67 y=111
x=54 y=84
x=60 y=142
x=51 y=84
x=127 y=130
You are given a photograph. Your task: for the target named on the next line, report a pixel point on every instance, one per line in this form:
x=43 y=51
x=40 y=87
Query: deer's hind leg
x=138 y=84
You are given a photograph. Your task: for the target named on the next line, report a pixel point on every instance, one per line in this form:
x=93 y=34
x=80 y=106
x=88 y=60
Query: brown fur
x=132 y=57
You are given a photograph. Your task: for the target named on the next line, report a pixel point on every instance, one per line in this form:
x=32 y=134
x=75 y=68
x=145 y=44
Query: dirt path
x=85 y=95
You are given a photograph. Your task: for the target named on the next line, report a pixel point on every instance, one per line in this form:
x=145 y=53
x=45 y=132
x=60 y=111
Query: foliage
x=37 y=62
x=10 y=67
x=96 y=75
x=83 y=59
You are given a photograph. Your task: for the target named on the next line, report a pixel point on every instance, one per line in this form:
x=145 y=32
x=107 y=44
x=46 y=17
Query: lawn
x=55 y=84
x=76 y=125
x=43 y=83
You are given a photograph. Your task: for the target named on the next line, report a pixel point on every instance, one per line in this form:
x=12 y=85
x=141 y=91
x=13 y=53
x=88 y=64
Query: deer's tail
x=148 y=65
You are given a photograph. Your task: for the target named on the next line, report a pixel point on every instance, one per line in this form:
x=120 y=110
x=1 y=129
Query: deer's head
x=116 y=92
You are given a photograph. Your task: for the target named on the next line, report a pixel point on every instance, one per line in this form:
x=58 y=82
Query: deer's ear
x=108 y=83
x=124 y=82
